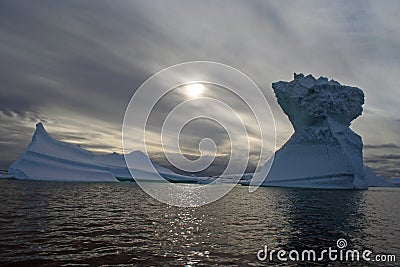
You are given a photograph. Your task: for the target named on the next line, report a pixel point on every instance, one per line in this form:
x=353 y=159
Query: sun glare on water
x=194 y=89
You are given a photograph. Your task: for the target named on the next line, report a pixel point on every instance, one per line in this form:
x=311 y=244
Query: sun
x=194 y=89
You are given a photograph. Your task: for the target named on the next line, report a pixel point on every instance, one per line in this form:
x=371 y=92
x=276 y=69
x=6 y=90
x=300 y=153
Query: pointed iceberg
x=47 y=158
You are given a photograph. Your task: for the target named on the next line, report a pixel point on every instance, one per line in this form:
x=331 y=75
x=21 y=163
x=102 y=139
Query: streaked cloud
x=75 y=64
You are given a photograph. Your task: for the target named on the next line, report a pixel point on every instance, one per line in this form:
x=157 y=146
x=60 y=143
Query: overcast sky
x=75 y=64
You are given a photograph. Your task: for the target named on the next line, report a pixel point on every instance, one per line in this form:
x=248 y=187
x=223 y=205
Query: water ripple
x=53 y=223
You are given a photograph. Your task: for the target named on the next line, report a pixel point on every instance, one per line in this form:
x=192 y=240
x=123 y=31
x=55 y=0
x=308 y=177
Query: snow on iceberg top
x=311 y=102
x=43 y=143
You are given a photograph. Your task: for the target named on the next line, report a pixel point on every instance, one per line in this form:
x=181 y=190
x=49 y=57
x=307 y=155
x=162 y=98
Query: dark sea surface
x=83 y=224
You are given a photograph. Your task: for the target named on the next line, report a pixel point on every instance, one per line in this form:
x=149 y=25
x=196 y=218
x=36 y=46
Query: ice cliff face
x=323 y=152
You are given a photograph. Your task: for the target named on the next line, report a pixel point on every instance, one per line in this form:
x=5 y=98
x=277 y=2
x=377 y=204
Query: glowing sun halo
x=194 y=89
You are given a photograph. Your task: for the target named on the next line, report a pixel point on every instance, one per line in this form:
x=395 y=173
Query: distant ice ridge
x=323 y=152
x=395 y=181
x=46 y=158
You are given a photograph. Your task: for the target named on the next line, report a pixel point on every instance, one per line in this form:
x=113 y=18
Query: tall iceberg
x=323 y=152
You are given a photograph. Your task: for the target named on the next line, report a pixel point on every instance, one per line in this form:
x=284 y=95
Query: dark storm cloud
x=75 y=64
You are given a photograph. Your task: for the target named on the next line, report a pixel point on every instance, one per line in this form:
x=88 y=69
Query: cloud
x=380 y=146
x=76 y=64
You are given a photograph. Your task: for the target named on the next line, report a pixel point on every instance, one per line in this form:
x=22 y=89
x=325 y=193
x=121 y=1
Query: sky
x=74 y=65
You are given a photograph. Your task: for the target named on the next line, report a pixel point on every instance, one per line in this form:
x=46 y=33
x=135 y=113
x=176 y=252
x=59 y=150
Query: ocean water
x=82 y=224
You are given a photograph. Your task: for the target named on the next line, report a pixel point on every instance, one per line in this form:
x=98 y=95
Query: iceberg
x=323 y=152
x=395 y=181
x=47 y=158
x=374 y=180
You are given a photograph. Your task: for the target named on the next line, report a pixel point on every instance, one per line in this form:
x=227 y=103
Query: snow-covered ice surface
x=323 y=152
x=46 y=158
